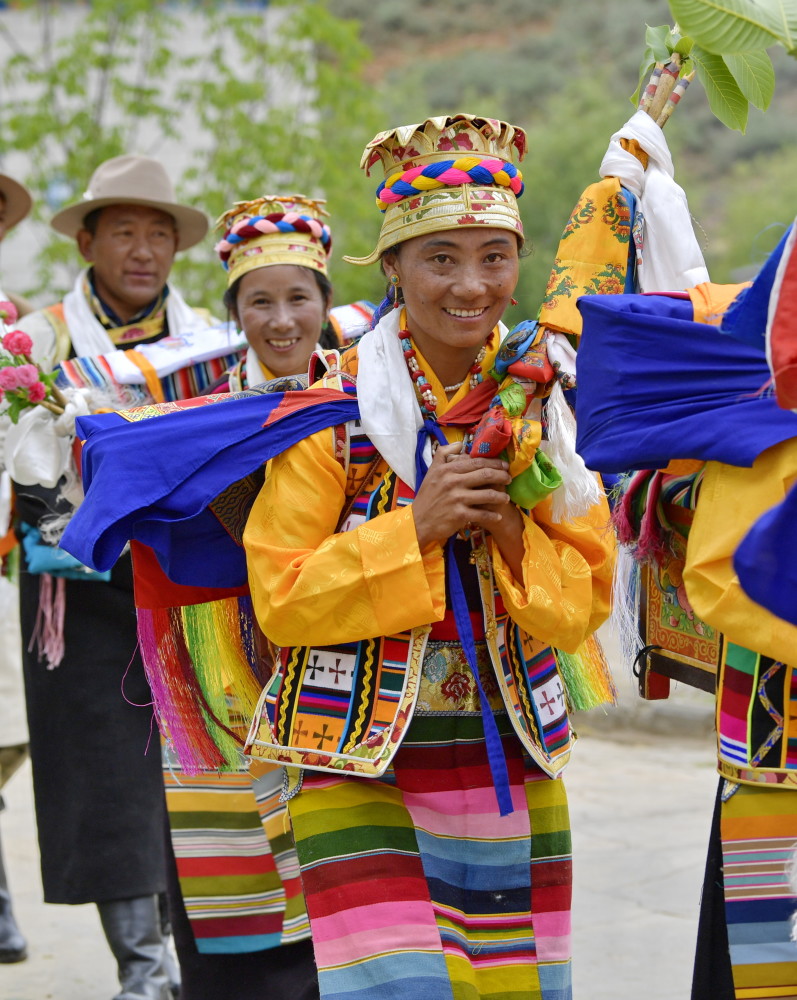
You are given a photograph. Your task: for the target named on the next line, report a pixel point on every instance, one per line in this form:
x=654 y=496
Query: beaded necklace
x=426 y=397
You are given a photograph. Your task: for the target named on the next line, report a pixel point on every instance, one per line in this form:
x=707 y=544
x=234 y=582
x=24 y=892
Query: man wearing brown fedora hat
x=96 y=764
x=128 y=228
x=15 y=204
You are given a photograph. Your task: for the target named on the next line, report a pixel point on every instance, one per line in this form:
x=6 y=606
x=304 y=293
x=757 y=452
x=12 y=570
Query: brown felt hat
x=18 y=200
x=133 y=180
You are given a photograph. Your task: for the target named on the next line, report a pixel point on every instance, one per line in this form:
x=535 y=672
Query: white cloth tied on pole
x=672 y=259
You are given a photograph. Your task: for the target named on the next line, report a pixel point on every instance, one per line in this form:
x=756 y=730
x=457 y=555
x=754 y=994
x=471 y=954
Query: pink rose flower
x=27 y=375
x=8 y=378
x=37 y=392
x=8 y=312
x=17 y=342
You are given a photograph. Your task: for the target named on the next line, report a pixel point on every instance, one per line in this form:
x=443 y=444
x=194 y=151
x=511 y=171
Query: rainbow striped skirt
x=417 y=888
x=759 y=837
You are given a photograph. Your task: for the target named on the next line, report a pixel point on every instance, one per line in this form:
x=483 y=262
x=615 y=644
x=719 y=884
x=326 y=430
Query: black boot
x=170 y=964
x=133 y=930
x=13 y=947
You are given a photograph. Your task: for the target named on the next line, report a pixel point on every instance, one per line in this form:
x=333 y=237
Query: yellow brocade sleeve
x=567 y=576
x=311 y=585
x=731 y=499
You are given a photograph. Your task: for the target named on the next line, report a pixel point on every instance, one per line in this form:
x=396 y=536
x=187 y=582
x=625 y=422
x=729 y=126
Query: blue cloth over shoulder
x=653 y=386
x=766 y=560
x=746 y=319
x=153 y=480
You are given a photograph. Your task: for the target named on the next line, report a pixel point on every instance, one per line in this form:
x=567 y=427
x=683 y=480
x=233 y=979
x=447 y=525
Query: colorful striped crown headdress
x=274 y=229
x=445 y=172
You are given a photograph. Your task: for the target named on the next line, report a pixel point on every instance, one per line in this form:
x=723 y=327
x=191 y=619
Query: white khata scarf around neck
x=89 y=338
x=389 y=410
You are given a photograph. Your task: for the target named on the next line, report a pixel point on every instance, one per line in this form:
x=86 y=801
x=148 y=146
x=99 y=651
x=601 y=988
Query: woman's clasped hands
x=461 y=491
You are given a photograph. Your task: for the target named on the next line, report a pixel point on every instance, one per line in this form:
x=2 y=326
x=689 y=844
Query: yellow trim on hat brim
x=300 y=249
x=467 y=207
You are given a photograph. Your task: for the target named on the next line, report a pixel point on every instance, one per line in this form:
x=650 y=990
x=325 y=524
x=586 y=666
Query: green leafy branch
x=724 y=43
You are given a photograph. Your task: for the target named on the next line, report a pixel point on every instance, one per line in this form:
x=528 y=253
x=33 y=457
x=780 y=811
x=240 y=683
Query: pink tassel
x=48 y=631
x=622 y=517
x=651 y=542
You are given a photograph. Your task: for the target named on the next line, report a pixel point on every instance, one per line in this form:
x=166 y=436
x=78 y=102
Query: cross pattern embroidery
x=550 y=700
x=323 y=736
x=314 y=666
x=330 y=669
x=299 y=733
x=337 y=670
x=547 y=702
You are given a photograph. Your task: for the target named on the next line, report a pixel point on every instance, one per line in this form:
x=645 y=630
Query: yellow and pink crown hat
x=445 y=172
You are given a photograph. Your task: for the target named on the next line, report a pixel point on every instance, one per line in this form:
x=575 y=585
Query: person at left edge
x=15 y=204
x=96 y=765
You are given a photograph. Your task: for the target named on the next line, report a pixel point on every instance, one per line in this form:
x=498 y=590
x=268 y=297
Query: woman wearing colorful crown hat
x=433 y=619
x=275 y=251
x=241 y=930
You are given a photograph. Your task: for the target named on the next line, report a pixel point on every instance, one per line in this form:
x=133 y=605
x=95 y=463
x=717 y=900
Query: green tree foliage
x=272 y=102
x=737 y=26
x=564 y=71
x=77 y=98
x=732 y=80
x=759 y=200
x=288 y=102
x=309 y=140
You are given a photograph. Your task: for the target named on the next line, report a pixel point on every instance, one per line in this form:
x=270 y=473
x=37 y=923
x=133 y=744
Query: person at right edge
x=688 y=412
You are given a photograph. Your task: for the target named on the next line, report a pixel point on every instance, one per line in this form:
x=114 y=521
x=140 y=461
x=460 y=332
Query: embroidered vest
x=347 y=707
x=756 y=719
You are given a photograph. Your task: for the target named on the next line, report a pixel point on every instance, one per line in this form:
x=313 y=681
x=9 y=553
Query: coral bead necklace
x=426 y=397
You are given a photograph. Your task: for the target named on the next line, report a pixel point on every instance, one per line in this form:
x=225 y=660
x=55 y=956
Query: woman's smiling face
x=281 y=311
x=456 y=286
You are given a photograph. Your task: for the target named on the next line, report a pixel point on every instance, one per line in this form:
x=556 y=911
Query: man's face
x=131 y=251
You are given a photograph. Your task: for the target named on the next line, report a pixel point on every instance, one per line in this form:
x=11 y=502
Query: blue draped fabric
x=653 y=386
x=766 y=560
x=152 y=480
x=746 y=319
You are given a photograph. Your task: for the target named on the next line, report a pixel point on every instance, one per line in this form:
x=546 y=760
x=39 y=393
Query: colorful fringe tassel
x=652 y=517
x=48 y=630
x=640 y=516
x=193 y=656
x=587 y=676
